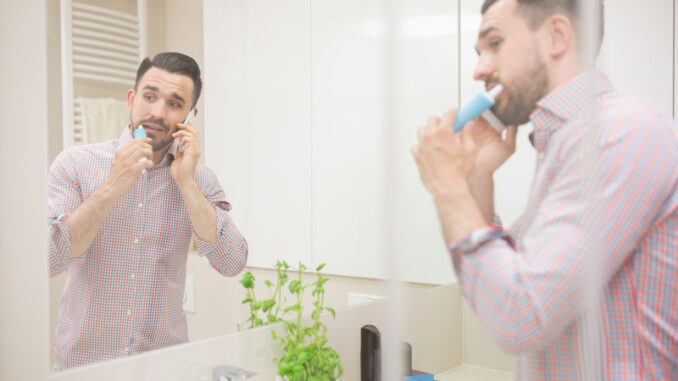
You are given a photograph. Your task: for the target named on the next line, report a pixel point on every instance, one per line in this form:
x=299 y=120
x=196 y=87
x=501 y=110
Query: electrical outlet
x=189 y=293
x=357 y=298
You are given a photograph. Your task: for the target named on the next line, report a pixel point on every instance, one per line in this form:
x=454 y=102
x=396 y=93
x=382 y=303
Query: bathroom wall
x=23 y=265
x=218 y=307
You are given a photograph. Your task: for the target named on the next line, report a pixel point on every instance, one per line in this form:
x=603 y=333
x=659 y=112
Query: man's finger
x=448 y=118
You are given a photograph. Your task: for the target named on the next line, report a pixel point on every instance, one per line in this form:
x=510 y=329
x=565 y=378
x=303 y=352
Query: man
x=122 y=213
x=604 y=196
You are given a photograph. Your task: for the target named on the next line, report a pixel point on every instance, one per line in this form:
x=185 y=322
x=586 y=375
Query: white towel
x=103 y=119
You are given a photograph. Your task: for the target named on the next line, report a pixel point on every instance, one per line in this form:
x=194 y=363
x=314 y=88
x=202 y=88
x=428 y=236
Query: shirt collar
x=564 y=104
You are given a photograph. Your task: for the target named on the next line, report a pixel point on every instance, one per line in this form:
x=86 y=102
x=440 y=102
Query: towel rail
x=104 y=78
x=106 y=37
x=82 y=68
x=108 y=20
x=105 y=11
x=103 y=62
x=97 y=44
x=104 y=28
x=105 y=53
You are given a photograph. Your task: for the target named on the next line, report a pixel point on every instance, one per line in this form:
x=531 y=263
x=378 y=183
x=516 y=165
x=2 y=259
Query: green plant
x=265 y=306
x=306 y=355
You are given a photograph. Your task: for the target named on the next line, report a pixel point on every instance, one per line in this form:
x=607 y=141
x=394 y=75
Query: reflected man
x=605 y=192
x=122 y=214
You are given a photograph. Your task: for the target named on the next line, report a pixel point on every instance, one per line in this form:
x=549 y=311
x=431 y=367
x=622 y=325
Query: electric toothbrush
x=480 y=105
x=140 y=133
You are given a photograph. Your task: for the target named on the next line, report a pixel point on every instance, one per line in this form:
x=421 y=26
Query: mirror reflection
x=140 y=282
x=292 y=124
x=123 y=211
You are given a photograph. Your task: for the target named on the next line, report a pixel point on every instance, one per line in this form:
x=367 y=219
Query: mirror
x=307 y=119
x=275 y=151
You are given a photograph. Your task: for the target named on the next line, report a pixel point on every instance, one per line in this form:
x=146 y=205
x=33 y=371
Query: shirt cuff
x=59 y=244
x=477 y=238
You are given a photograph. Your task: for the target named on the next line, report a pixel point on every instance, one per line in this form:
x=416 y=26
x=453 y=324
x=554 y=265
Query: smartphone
x=176 y=144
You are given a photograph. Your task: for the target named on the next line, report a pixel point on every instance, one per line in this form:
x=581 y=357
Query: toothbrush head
x=139 y=132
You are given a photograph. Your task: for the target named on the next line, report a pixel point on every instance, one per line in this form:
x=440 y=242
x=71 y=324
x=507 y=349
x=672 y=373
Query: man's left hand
x=184 y=164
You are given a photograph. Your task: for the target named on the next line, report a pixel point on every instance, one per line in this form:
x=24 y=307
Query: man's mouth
x=153 y=128
x=489 y=86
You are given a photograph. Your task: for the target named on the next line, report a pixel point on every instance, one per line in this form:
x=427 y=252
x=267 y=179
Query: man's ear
x=130 y=99
x=560 y=35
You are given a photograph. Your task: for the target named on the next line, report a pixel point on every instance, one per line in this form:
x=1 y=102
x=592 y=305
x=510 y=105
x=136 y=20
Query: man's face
x=509 y=54
x=160 y=101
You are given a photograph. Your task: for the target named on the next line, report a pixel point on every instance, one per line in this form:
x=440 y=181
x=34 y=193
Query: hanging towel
x=103 y=119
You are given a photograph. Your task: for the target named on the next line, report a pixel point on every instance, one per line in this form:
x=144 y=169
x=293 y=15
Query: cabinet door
x=637 y=51
x=356 y=150
x=257 y=135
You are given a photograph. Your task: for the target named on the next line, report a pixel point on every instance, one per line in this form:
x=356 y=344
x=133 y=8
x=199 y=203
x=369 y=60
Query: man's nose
x=484 y=69
x=158 y=110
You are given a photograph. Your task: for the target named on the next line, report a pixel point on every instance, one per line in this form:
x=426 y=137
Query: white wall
x=24 y=338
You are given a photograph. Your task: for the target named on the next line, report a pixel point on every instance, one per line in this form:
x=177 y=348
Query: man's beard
x=157 y=145
x=523 y=93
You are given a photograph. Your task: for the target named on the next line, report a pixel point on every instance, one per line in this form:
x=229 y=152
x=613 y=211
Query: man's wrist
x=475 y=239
x=187 y=182
x=452 y=194
x=107 y=192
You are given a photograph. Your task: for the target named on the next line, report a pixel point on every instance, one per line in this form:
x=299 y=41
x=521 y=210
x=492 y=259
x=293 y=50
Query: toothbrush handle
x=472 y=110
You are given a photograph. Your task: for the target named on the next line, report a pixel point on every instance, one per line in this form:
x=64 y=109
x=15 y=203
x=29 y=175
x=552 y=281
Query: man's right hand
x=127 y=166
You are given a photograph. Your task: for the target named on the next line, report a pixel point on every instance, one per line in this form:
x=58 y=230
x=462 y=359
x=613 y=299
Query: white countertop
x=473 y=373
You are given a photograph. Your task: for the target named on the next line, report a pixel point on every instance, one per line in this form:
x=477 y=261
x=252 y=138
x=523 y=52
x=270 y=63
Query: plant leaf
x=268 y=304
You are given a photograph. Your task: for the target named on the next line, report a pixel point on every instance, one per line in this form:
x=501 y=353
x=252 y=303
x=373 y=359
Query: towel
x=102 y=119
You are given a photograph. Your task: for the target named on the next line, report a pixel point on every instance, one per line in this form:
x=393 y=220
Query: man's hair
x=174 y=63
x=537 y=11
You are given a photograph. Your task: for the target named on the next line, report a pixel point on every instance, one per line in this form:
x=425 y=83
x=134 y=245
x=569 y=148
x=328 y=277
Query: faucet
x=230 y=373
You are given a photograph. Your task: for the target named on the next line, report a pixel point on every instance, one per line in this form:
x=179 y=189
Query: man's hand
x=444 y=158
x=447 y=162
x=86 y=219
x=493 y=150
x=126 y=166
x=184 y=164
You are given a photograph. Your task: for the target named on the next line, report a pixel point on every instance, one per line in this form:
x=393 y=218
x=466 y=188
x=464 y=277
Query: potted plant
x=305 y=353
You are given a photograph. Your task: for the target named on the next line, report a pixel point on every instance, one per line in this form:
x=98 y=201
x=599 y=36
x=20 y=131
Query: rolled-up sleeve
x=64 y=198
x=228 y=254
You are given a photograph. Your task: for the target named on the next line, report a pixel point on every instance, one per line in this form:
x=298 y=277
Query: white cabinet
x=257 y=117
x=350 y=132
x=637 y=51
x=296 y=131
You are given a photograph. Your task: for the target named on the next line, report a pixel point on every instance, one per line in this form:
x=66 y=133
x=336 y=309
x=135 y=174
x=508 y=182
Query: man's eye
x=175 y=105
x=149 y=97
x=495 y=44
